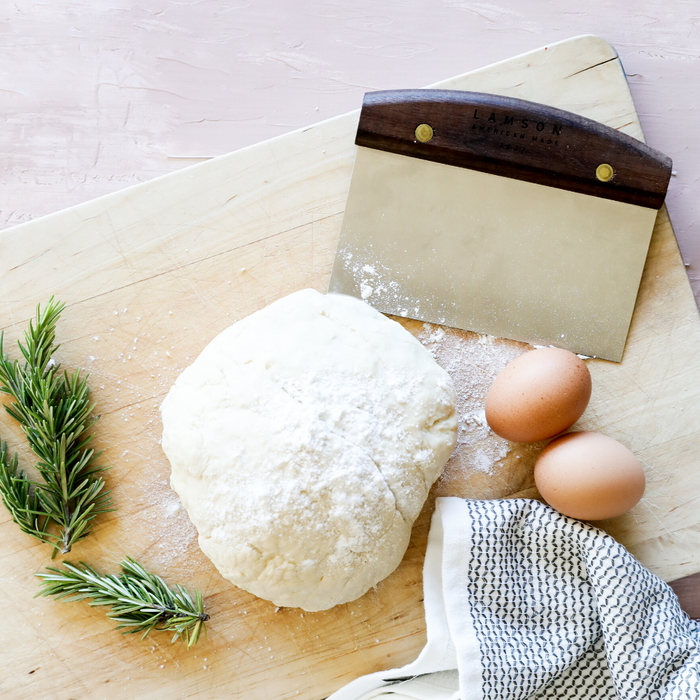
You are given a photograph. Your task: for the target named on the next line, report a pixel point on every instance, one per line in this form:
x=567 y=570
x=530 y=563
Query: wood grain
x=515 y=138
x=153 y=273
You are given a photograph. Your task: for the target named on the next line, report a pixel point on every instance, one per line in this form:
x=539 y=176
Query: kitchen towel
x=523 y=602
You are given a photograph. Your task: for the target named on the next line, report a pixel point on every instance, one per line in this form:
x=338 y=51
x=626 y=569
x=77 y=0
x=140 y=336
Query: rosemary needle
x=139 y=601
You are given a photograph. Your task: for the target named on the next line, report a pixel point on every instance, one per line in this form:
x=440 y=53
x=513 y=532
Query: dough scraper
x=500 y=216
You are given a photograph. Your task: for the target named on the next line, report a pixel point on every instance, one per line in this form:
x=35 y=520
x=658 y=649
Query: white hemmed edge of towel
x=455 y=521
x=447 y=560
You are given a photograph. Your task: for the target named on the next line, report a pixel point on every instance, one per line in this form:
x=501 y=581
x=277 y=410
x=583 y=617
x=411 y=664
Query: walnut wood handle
x=515 y=138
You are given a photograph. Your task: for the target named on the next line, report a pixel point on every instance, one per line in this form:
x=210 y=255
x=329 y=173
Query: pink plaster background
x=97 y=95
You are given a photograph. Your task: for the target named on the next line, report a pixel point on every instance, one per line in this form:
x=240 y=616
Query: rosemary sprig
x=19 y=498
x=140 y=601
x=55 y=413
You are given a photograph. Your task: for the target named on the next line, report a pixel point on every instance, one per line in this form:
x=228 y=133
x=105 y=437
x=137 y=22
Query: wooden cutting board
x=151 y=274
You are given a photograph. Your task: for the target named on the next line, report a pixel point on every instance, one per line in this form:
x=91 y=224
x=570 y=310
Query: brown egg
x=539 y=395
x=589 y=476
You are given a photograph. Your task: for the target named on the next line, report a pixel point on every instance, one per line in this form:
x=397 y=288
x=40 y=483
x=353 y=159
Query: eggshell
x=539 y=395
x=589 y=476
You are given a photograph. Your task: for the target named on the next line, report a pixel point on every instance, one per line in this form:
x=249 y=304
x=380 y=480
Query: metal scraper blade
x=491 y=254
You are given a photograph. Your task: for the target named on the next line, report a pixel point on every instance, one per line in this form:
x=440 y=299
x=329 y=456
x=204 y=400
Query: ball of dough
x=303 y=443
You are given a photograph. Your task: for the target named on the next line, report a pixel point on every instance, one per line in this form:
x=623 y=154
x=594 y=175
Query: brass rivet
x=604 y=172
x=424 y=132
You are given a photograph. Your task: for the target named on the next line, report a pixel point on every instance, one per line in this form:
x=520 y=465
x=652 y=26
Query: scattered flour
x=473 y=361
x=172 y=532
x=383 y=287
